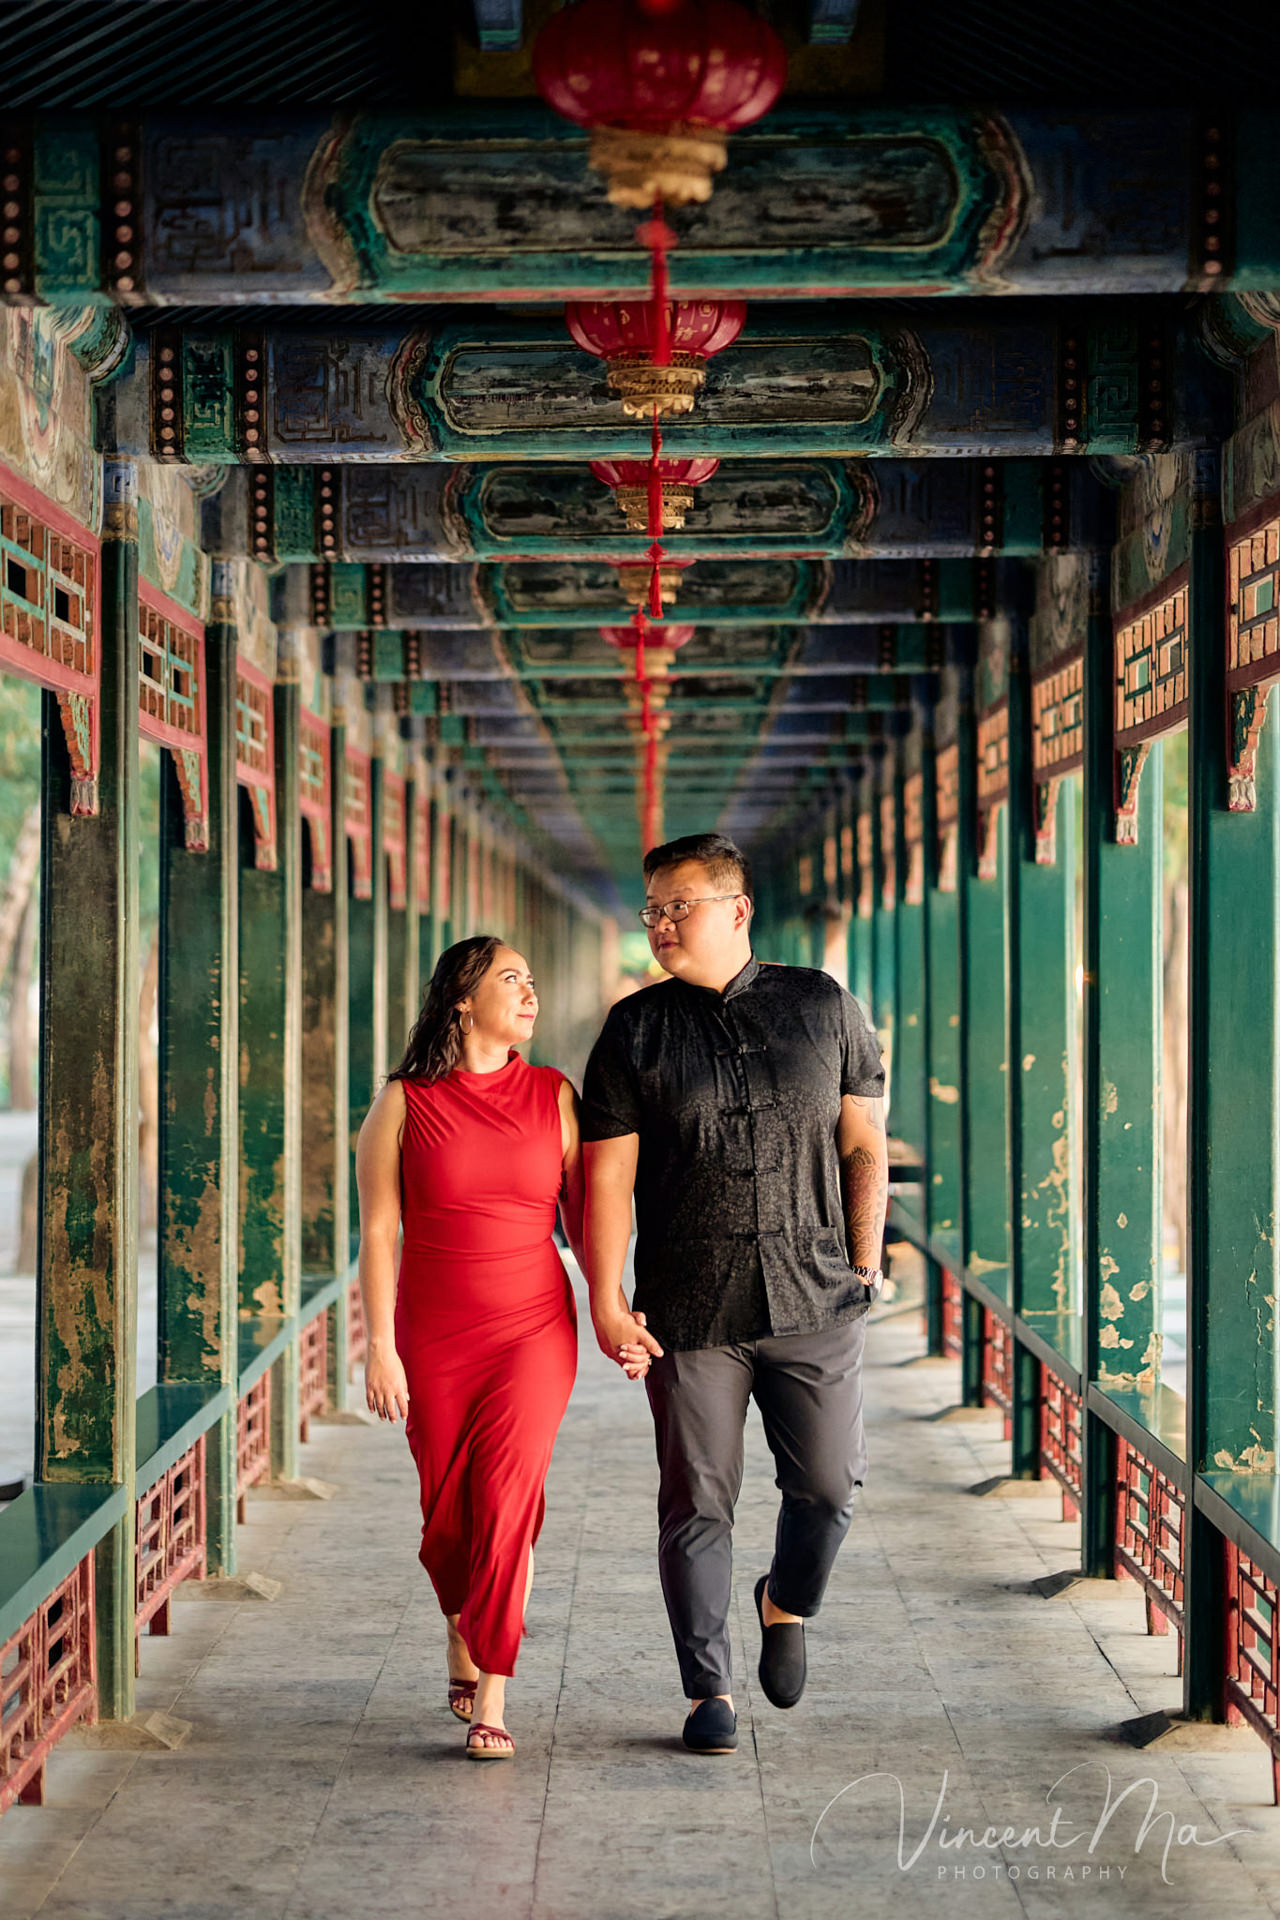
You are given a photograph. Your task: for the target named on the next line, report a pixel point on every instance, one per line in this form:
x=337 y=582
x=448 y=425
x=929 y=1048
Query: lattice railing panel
x=48 y=1682
x=313 y=1372
x=952 y=1314
x=1061 y=1443
x=357 y=1332
x=1253 y=1653
x=170 y=1538
x=253 y=1440
x=997 y=1366
x=1150 y=1519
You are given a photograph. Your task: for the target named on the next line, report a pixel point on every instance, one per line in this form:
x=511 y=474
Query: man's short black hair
x=726 y=864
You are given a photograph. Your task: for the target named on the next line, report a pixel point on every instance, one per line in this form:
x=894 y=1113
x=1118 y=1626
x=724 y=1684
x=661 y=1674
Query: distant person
x=471 y=1149
x=743 y=1105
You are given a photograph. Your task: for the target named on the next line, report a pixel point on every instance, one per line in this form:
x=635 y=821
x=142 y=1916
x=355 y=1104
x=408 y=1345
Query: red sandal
x=490 y=1753
x=462 y=1698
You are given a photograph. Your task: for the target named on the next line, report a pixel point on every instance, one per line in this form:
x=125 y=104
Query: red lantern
x=629 y=480
x=659 y=83
x=622 y=335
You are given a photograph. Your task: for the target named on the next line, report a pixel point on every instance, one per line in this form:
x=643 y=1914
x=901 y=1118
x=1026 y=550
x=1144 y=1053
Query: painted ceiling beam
x=832 y=22
x=821 y=509
x=486 y=201
x=712 y=593
x=500 y=25
x=548 y=658
x=994 y=380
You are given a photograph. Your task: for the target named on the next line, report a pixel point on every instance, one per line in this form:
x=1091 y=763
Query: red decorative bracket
x=888 y=853
x=50 y=597
x=947 y=777
x=357 y=815
x=993 y=784
x=315 y=796
x=1253 y=651
x=1057 y=743
x=395 y=841
x=171 y=700
x=913 y=837
x=256 y=758
x=866 y=877
x=422 y=845
x=1151 y=660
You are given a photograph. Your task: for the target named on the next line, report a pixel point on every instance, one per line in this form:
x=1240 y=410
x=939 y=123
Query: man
x=743 y=1105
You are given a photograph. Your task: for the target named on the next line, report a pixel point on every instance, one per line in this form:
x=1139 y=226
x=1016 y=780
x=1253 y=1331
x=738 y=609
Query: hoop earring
x=470 y=1016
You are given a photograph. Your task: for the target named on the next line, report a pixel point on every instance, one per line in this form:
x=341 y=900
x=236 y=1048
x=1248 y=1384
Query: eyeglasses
x=680 y=909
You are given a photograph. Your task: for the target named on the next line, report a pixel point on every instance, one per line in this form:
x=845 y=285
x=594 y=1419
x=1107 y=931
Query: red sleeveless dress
x=487 y=1331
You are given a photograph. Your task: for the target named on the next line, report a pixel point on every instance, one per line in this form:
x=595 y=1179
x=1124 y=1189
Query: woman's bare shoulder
x=388 y=1109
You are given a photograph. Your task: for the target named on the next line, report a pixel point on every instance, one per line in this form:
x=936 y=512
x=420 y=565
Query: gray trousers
x=808 y=1387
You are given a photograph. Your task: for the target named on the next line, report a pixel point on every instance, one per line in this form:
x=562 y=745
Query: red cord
x=660 y=238
x=655 y=480
x=648 y=728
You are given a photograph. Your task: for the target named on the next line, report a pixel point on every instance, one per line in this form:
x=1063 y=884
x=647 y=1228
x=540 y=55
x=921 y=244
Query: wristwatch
x=872 y=1278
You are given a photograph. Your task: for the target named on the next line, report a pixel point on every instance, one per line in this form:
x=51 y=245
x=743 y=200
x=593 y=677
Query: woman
x=470 y=1148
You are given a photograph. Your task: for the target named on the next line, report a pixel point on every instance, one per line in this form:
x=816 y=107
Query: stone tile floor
x=324 y=1780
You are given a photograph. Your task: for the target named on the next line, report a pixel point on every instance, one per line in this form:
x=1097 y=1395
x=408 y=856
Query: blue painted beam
x=500 y=25
x=831 y=22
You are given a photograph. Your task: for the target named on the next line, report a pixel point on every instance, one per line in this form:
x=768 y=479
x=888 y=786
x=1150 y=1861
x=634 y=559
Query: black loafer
x=712 y=1727
x=783 y=1665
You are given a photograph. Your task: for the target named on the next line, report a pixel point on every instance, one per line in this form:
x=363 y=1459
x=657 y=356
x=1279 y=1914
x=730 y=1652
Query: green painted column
x=1233 y=1171
x=325 y=1184
x=87 y=1310
x=985 y=1078
x=361 y=973
x=327 y=1200
x=199 y=1163
x=416 y=909
x=862 y=923
x=381 y=925
x=943 y=1060
x=459 y=911
x=884 y=951
x=971 y=1312
x=271 y=1080
x=910 y=1019
x=1121 y=1087
x=397 y=1022
x=441 y=869
x=1040 y=1200
x=428 y=917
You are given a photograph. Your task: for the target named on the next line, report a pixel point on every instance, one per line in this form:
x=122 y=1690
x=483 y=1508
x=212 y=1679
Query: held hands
x=624 y=1338
x=385 y=1386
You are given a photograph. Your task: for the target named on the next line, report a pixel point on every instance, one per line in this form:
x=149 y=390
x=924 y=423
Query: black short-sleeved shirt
x=735 y=1097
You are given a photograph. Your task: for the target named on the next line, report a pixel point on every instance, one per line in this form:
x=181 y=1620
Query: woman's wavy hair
x=435 y=1040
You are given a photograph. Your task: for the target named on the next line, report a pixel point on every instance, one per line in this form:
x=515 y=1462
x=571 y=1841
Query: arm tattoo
x=872 y=1111
x=865 y=1183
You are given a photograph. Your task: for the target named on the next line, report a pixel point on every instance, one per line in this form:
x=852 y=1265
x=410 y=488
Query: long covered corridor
x=439 y=463
x=317 y=1772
